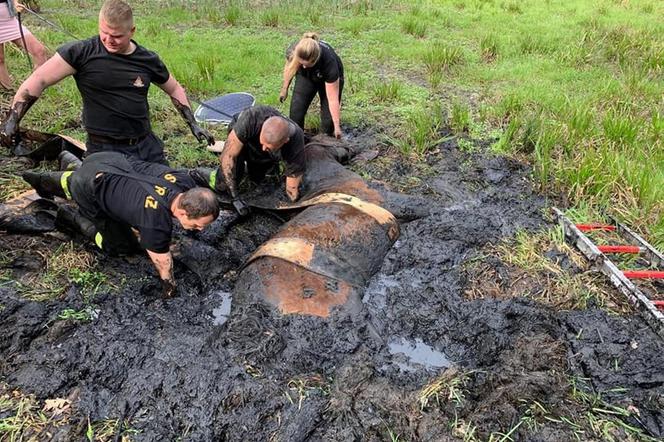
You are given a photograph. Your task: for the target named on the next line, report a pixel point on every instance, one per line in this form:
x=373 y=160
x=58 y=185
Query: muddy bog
x=345 y=317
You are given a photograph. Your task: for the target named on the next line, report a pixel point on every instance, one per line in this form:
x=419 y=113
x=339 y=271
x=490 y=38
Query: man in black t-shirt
x=116 y=193
x=259 y=137
x=113 y=74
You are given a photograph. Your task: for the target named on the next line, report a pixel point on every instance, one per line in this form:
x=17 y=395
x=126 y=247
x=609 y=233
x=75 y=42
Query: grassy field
x=574 y=86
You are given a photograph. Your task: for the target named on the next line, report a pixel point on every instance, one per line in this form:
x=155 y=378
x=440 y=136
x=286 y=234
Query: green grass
x=63 y=266
x=573 y=86
x=459 y=117
x=388 y=91
x=414 y=26
x=24 y=417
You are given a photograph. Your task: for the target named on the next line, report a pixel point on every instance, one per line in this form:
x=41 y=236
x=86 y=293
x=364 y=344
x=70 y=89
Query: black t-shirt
x=114 y=87
x=327 y=69
x=125 y=199
x=248 y=128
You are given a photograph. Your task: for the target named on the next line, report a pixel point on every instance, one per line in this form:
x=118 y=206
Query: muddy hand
x=241 y=207
x=202 y=134
x=337 y=133
x=168 y=288
x=9 y=133
x=283 y=95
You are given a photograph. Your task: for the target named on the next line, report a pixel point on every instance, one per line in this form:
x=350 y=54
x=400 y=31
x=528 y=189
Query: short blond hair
x=117 y=13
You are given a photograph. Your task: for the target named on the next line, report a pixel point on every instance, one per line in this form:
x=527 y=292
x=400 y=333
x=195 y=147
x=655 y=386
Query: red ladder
x=622 y=279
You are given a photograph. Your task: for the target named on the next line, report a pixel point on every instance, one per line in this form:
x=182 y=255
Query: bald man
x=259 y=137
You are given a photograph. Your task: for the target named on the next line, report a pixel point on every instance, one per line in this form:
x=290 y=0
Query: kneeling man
x=258 y=139
x=116 y=193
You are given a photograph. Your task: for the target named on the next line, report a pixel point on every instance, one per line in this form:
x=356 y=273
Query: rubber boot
x=68 y=161
x=69 y=220
x=47 y=184
x=210 y=178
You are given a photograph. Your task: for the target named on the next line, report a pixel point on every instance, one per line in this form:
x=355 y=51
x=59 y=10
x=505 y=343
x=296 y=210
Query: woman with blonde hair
x=317 y=70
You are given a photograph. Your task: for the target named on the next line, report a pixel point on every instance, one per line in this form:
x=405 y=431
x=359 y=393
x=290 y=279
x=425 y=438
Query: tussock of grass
x=450 y=386
x=206 y=67
x=441 y=57
x=512 y=7
x=59 y=265
x=271 y=17
x=534 y=44
x=23 y=417
x=459 y=117
x=422 y=131
x=354 y=25
x=304 y=386
x=363 y=7
x=388 y=91
x=489 y=48
x=620 y=127
x=232 y=14
x=534 y=275
x=414 y=26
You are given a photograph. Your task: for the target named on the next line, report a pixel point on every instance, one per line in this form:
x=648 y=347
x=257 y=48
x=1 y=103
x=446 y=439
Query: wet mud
x=218 y=364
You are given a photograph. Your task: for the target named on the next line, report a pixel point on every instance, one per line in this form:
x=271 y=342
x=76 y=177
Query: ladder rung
x=620 y=249
x=595 y=226
x=643 y=274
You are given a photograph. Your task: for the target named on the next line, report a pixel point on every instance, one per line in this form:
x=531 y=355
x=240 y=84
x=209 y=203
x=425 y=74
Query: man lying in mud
x=259 y=137
x=116 y=193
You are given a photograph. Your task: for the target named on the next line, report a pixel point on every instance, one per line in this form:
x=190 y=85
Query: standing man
x=259 y=137
x=116 y=193
x=113 y=74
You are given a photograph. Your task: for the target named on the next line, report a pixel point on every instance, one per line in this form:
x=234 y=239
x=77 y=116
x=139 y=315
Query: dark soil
x=189 y=368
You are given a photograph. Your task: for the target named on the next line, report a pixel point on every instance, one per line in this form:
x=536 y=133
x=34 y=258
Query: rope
x=25 y=45
x=51 y=24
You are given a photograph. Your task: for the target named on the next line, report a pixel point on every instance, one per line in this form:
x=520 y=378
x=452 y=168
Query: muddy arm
x=163 y=262
x=293 y=187
x=181 y=103
x=51 y=72
x=228 y=160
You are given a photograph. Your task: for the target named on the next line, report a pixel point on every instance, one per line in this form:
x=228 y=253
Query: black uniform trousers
x=112 y=236
x=149 y=148
x=304 y=92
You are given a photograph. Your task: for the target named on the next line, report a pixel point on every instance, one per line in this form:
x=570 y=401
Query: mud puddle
x=221 y=313
x=416 y=353
x=419 y=362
